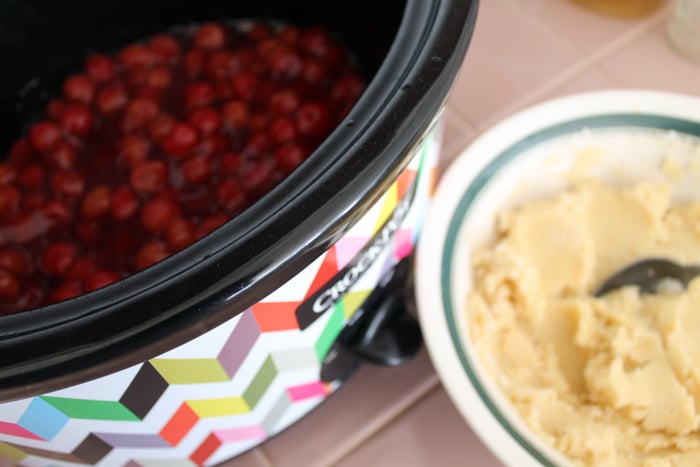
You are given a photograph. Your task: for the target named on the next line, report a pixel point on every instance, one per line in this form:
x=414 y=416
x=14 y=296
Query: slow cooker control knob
x=382 y=332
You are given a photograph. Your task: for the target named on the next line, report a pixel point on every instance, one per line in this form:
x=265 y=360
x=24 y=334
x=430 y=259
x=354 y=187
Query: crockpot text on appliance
x=328 y=298
x=342 y=282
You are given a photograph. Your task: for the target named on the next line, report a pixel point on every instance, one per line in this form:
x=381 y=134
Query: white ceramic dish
x=639 y=135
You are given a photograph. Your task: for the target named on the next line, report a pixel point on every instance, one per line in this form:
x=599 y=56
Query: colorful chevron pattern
x=226 y=391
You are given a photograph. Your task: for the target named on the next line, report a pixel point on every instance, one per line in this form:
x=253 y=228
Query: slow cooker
x=231 y=340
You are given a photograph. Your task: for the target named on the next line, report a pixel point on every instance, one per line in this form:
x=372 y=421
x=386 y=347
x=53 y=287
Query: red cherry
x=159 y=77
x=111 y=98
x=231 y=162
x=282 y=129
x=62 y=156
x=8 y=174
x=284 y=101
x=43 y=135
x=157 y=213
x=347 y=88
x=318 y=42
x=81 y=269
x=259 y=31
x=32 y=176
x=58 y=257
x=210 y=224
x=32 y=201
x=150 y=253
x=149 y=93
x=65 y=291
x=13 y=261
x=56 y=213
x=9 y=287
x=199 y=94
x=76 y=119
x=315 y=71
x=88 y=231
x=10 y=198
x=211 y=145
x=181 y=140
x=258 y=176
x=258 y=145
x=210 y=36
x=21 y=227
x=284 y=63
x=137 y=55
x=179 y=234
x=67 y=184
x=197 y=169
x=133 y=149
x=136 y=77
x=235 y=115
x=193 y=63
x=100 y=68
x=222 y=64
x=96 y=203
x=160 y=126
x=79 y=88
x=149 y=176
x=267 y=46
x=165 y=46
x=289 y=156
x=31 y=296
x=259 y=121
x=206 y=119
x=230 y=195
x=312 y=119
x=21 y=151
x=290 y=34
x=224 y=92
x=54 y=108
x=100 y=279
x=245 y=84
x=124 y=203
x=138 y=113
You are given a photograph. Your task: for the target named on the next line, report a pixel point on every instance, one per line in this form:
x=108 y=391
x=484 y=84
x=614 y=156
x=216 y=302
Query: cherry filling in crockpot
x=149 y=149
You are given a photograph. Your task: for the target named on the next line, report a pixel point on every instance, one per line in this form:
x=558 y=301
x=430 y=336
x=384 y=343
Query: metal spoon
x=650 y=274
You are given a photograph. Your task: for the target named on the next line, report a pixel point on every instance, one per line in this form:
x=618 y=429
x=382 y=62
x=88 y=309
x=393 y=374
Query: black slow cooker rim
x=62 y=345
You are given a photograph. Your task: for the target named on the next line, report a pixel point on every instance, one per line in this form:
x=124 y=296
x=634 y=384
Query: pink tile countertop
x=522 y=52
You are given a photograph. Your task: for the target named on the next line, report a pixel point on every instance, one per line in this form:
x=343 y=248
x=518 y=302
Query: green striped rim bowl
x=525 y=157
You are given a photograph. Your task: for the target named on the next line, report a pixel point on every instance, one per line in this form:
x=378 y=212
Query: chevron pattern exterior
x=227 y=390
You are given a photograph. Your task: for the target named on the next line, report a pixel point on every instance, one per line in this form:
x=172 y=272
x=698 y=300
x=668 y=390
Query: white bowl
x=525 y=157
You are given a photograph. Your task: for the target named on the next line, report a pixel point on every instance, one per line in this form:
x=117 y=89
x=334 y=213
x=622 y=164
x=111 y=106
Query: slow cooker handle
x=383 y=331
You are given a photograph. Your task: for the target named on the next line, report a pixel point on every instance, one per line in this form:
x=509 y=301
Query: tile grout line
x=449 y=149
x=353 y=442
x=590 y=62
x=644 y=26
x=628 y=38
x=381 y=422
x=517 y=8
x=567 y=74
x=579 y=67
x=262 y=457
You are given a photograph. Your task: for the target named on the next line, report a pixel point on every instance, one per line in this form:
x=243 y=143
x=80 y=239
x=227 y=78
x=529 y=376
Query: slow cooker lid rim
x=1 y=391
x=240 y=228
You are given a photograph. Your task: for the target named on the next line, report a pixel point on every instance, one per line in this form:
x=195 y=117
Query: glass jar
x=623 y=7
x=684 y=28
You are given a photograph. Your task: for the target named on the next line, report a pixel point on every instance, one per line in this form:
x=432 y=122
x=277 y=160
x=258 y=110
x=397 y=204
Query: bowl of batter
x=526 y=224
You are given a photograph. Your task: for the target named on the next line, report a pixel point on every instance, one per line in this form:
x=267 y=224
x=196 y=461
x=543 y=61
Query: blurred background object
x=684 y=28
x=623 y=7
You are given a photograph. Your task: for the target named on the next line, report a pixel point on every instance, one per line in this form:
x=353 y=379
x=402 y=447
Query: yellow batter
x=613 y=381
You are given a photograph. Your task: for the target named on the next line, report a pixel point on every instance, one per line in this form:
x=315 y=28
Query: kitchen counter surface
x=522 y=52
